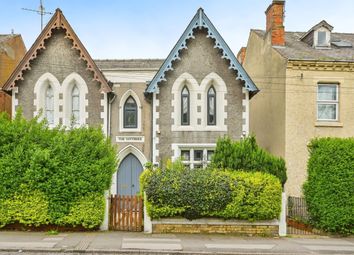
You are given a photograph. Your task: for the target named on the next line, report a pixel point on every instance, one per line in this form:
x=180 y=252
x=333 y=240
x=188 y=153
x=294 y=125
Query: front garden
x=243 y=182
x=53 y=176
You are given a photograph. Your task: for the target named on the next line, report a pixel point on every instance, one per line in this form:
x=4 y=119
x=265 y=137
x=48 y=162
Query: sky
x=117 y=29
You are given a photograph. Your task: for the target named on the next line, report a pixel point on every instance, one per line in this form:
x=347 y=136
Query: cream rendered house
x=306 y=82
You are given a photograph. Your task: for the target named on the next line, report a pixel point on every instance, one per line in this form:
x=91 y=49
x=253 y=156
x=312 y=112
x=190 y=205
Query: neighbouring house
x=12 y=50
x=153 y=109
x=306 y=81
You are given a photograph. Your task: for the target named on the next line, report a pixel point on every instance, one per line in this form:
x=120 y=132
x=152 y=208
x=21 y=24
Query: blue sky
x=150 y=28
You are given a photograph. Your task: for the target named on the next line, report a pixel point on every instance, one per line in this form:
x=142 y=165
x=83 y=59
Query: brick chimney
x=241 y=55
x=275 y=22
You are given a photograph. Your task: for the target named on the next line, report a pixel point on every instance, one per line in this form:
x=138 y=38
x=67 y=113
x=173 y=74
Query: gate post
x=147 y=220
x=104 y=224
x=282 y=221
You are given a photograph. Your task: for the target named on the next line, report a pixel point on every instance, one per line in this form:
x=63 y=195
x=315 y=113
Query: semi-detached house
x=154 y=110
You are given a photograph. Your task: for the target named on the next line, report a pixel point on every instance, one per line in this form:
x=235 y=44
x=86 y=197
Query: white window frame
x=178 y=148
x=74 y=79
x=328 y=102
x=327 y=43
x=198 y=100
x=40 y=90
x=123 y=99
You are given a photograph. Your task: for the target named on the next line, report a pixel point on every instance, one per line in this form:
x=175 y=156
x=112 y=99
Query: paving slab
x=241 y=246
x=22 y=245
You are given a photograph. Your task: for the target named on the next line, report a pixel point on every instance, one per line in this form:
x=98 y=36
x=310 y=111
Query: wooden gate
x=126 y=213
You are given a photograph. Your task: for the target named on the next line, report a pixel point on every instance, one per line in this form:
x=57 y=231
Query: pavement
x=12 y=242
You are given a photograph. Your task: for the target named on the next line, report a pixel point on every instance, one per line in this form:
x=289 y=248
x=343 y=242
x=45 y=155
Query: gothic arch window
x=75 y=105
x=130 y=113
x=49 y=105
x=46 y=98
x=211 y=105
x=185 y=106
x=75 y=100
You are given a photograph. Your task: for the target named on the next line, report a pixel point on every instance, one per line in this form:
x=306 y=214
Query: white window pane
x=327 y=92
x=76 y=103
x=50 y=116
x=327 y=112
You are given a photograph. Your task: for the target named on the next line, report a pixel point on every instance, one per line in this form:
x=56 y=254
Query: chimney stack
x=275 y=22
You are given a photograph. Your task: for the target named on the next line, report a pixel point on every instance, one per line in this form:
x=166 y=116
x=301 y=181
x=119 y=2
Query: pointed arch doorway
x=128 y=176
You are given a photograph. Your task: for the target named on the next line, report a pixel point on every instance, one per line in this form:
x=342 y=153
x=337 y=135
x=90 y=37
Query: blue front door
x=128 y=176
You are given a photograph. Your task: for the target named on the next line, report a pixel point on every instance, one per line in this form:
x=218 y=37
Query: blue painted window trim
x=200 y=20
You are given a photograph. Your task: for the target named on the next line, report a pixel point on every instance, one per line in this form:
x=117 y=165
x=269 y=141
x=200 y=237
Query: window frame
x=187 y=123
x=192 y=162
x=136 y=114
x=209 y=123
x=328 y=102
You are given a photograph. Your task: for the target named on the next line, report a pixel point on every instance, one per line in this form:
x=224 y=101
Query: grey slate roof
x=139 y=64
x=297 y=50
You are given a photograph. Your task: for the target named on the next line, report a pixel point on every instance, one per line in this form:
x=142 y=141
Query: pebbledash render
x=306 y=83
x=153 y=109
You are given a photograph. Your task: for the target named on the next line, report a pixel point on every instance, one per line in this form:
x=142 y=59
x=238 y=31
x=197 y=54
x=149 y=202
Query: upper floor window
x=49 y=104
x=185 y=105
x=211 y=106
x=130 y=113
x=75 y=105
x=327 y=102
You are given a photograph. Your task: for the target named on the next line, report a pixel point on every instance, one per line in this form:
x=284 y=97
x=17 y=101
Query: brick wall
x=263 y=228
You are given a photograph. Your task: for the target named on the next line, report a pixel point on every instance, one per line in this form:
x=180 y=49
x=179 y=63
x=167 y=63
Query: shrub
x=63 y=165
x=256 y=196
x=329 y=190
x=247 y=156
x=87 y=212
x=195 y=193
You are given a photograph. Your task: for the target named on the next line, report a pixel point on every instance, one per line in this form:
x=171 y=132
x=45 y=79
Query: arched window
x=185 y=106
x=49 y=104
x=75 y=105
x=211 y=106
x=130 y=113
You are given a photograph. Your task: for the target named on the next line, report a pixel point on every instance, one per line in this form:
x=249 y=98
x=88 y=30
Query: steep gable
x=58 y=21
x=200 y=20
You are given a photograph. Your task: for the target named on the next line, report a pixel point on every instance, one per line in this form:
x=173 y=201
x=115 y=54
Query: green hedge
x=52 y=171
x=329 y=190
x=178 y=191
x=248 y=156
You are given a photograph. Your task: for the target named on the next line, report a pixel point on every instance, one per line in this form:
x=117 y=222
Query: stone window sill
x=328 y=124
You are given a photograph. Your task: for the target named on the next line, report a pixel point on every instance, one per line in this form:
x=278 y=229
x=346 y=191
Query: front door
x=128 y=176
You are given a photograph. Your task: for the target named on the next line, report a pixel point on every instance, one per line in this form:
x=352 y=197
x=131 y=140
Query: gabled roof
x=56 y=22
x=323 y=23
x=200 y=20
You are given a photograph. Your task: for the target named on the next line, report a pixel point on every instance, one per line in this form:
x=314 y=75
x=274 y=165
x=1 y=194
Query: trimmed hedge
x=196 y=193
x=329 y=190
x=48 y=176
x=248 y=156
